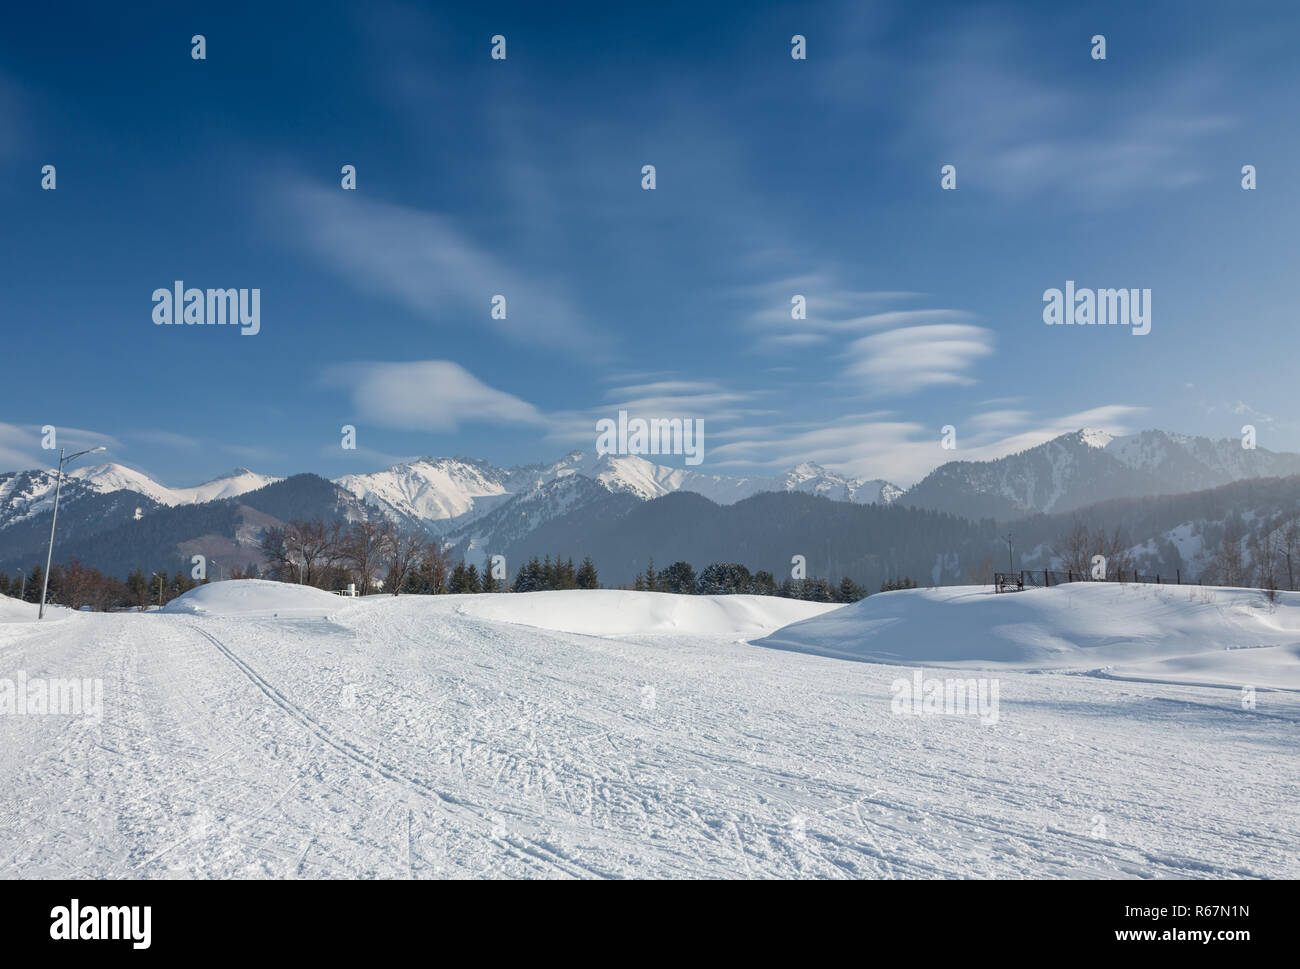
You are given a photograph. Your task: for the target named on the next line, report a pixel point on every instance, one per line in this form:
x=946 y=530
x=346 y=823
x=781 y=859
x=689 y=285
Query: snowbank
x=257 y=597
x=1183 y=634
x=15 y=610
x=613 y=612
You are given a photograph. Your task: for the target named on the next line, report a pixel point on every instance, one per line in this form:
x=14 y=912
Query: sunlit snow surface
x=258 y=730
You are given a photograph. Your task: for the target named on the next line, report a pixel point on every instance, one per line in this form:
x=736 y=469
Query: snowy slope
x=612 y=612
x=257 y=597
x=24 y=494
x=15 y=610
x=408 y=738
x=432 y=489
x=106 y=478
x=1192 y=634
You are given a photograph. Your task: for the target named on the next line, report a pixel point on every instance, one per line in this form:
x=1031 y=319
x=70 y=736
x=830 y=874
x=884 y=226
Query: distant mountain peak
x=1095 y=437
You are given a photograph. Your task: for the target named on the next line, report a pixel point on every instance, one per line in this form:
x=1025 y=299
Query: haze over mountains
x=111 y=515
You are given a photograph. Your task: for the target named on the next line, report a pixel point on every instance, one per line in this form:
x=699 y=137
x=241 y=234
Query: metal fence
x=1044 y=578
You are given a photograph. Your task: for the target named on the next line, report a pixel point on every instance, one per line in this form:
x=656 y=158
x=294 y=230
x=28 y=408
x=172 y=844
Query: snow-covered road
x=410 y=737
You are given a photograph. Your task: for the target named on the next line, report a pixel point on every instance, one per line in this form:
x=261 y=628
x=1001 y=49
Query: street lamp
x=58 y=487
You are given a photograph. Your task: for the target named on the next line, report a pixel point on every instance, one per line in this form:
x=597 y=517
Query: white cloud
x=878 y=445
x=20 y=445
x=912 y=358
x=427 y=395
x=1012 y=130
x=423 y=261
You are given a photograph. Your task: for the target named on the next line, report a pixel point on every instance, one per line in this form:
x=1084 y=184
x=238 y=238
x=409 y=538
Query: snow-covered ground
x=274 y=731
x=1182 y=634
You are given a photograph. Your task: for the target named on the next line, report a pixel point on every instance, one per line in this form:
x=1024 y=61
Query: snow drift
x=595 y=612
x=612 y=612
x=257 y=598
x=1191 y=634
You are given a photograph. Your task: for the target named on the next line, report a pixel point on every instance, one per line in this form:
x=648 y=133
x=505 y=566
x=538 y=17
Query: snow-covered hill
x=275 y=732
x=1170 y=633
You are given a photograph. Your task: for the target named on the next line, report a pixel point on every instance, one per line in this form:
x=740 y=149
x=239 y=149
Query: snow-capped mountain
x=1192 y=463
x=811 y=478
x=502 y=526
x=25 y=494
x=447 y=494
x=435 y=491
x=1088 y=466
x=105 y=478
x=477 y=506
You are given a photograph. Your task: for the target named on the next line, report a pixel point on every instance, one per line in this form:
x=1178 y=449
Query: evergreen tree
x=529 y=576
x=764 y=584
x=678 y=577
x=34 y=580
x=456 y=584
x=723 y=578
x=138 y=588
x=587 y=577
x=849 y=591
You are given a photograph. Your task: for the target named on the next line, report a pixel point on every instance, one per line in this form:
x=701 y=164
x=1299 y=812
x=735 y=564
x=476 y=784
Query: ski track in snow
x=400 y=738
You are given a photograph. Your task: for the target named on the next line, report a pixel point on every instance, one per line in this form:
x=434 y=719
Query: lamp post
x=1011 y=564
x=58 y=488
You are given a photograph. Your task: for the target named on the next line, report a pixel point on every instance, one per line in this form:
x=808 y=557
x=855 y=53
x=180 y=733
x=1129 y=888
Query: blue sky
x=522 y=177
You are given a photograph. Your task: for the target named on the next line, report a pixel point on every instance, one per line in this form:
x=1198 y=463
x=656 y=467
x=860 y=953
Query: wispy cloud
x=20 y=445
x=431 y=265
x=880 y=445
x=1011 y=130
x=906 y=360
x=426 y=395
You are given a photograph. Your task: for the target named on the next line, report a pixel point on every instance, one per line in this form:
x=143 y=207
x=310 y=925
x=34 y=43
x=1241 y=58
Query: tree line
x=376 y=555
x=78 y=586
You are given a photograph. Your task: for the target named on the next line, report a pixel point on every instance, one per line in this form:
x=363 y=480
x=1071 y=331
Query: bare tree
x=431 y=574
x=316 y=546
x=1076 y=549
x=365 y=549
x=1266 y=557
x=1115 y=549
x=274 y=547
x=1078 y=546
x=407 y=551
x=302 y=551
x=1290 y=546
x=1226 y=565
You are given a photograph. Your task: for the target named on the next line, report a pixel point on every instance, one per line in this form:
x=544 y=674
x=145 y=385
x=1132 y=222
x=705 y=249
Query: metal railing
x=1045 y=578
